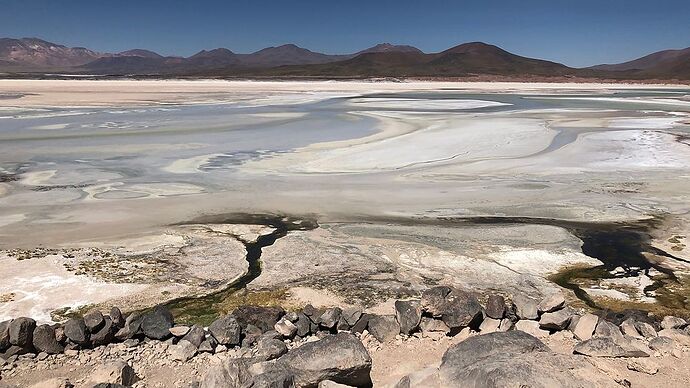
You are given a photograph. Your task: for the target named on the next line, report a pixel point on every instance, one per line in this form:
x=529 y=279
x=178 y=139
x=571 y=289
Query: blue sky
x=574 y=32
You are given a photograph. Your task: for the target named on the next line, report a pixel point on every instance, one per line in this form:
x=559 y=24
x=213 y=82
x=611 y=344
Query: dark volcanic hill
x=463 y=60
x=659 y=58
x=32 y=55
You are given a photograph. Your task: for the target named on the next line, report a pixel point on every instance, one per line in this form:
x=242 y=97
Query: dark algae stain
x=204 y=309
x=623 y=248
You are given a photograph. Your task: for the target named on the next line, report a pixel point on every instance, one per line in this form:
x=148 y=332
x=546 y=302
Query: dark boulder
x=94 y=321
x=208 y=345
x=262 y=317
x=231 y=373
x=269 y=349
x=105 y=334
x=250 y=335
x=44 y=340
x=195 y=336
x=351 y=315
x=361 y=324
x=131 y=328
x=156 y=324
x=384 y=327
x=461 y=309
x=495 y=307
x=341 y=358
x=226 y=330
x=76 y=331
x=434 y=299
x=303 y=324
x=329 y=319
x=4 y=335
x=117 y=318
x=22 y=331
x=409 y=315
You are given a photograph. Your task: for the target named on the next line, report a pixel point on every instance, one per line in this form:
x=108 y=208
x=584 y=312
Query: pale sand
x=80 y=93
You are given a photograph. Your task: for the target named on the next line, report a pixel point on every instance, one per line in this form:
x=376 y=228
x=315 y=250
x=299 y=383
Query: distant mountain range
x=32 y=55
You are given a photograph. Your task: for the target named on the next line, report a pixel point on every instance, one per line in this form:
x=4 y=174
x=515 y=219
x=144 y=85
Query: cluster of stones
x=307 y=347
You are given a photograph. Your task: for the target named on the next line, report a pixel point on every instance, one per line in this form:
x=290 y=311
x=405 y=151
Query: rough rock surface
x=434 y=299
x=511 y=359
x=461 y=309
x=270 y=348
x=262 y=317
x=670 y=322
x=94 y=320
x=551 y=303
x=157 y=323
x=76 y=331
x=557 y=320
x=495 y=307
x=341 y=358
x=117 y=372
x=4 y=335
x=384 y=327
x=409 y=314
x=286 y=328
x=44 y=340
x=329 y=319
x=226 y=330
x=585 y=327
x=525 y=307
x=608 y=347
x=532 y=328
x=22 y=331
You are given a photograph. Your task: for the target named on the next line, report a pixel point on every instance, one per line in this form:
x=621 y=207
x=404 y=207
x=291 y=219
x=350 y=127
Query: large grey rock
x=4 y=335
x=115 y=372
x=645 y=329
x=557 y=320
x=195 y=335
x=671 y=322
x=274 y=378
x=461 y=309
x=262 y=317
x=585 y=327
x=341 y=358
x=94 y=321
x=131 y=328
x=513 y=359
x=76 y=331
x=22 y=331
x=226 y=330
x=269 y=349
x=182 y=351
x=105 y=334
x=609 y=330
x=409 y=315
x=229 y=374
x=434 y=299
x=329 y=319
x=351 y=315
x=495 y=307
x=608 y=347
x=44 y=340
x=551 y=303
x=156 y=324
x=384 y=327
x=525 y=307
x=208 y=345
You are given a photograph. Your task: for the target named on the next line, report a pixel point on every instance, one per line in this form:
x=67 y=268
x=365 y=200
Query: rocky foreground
x=498 y=344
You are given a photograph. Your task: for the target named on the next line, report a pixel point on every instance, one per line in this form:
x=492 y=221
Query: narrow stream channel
x=206 y=308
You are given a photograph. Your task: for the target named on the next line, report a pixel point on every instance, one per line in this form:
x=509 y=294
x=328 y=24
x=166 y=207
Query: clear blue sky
x=574 y=32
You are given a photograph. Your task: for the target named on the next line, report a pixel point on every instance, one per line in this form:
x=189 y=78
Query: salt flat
x=385 y=168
